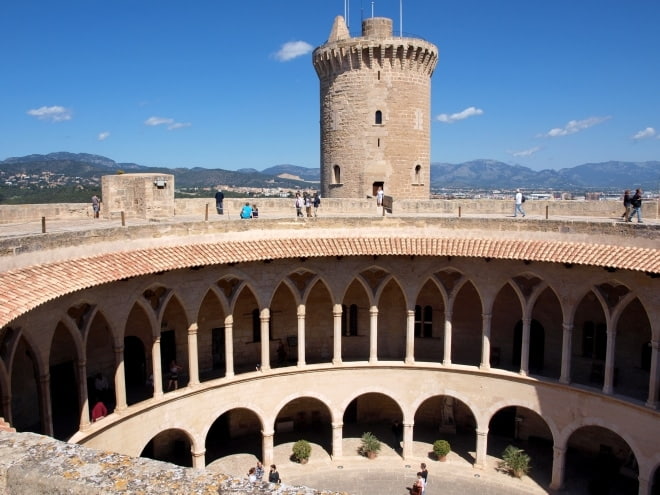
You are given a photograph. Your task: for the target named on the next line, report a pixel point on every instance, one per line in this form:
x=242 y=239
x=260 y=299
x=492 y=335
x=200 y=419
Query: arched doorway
x=536 y=346
x=135 y=368
x=170 y=446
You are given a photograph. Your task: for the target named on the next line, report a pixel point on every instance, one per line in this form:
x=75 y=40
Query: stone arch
x=25 y=370
x=211 y=335
x=319 y=323
x=507 y=310
x=174 y=325
x=444 y=416
x=64 y=359
x=307 y=415
x=602 y=452
x=138 y=342
x=373 y=410
x=171 y=445
x=429 y=333
x=100 y=359
x=246 y=330
x=285 y=305
x=392 y=321
x=467 y=325
x=235 y=430
x=356 y=305
x=589 y=341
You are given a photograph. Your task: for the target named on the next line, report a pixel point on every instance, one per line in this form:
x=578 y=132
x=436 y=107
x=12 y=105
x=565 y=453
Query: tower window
x=418 y=174
x=379 y=117
x=379 y=142
x=336 y=174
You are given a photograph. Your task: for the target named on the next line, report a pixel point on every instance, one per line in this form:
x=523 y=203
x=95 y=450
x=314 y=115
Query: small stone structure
x=137 y=195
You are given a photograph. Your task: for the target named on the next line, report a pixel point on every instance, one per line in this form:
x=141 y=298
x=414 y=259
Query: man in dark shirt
x=219 y=198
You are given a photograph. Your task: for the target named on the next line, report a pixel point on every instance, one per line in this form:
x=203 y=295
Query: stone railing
x=36 y=464
x=201 y=207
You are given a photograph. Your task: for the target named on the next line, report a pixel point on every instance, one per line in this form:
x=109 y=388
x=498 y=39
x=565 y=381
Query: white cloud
x=524 y=153
x=293 y=49
x=54 y=113
x=575 y=126
x=170 y=123
x=649 y=132
x=158 y=121
x=103 y=135
x=464 y=114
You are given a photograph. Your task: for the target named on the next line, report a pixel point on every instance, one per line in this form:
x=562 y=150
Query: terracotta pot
x=303 y=461
x=372 y=455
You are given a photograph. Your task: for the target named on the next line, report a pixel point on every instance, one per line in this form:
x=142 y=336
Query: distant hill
x=483 y=174
x=475 y=174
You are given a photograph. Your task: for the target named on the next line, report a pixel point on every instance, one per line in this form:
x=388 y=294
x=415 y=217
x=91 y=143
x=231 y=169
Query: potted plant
x=370 y=445
x=302 y=449
x=515 y=461
x=441 y=449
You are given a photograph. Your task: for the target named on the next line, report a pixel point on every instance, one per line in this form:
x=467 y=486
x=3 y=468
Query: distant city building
x=375 y=105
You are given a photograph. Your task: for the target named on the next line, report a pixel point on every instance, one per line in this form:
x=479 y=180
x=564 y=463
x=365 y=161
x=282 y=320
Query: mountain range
x=475 y=174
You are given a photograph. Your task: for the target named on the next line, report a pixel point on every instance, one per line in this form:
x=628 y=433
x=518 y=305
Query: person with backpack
x=316 y=202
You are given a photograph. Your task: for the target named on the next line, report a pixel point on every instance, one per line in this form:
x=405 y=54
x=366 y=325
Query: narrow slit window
x=379 y=117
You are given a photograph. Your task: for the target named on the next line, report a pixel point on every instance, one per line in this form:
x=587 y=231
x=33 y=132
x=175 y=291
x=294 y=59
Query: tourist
x=380 y=194
x=96 y=205
x=246 y=211
x=636 y=204
x=99 y=411
x=273 y=475
x=173 y=382
x=308 y=205
x=299 y=205
x=219 y=198
x=316 y=202
x=418 y=487
x=519 y=200
x=252 y=477
x=255 y=211
x=425 y=475
x=259 y=471
x=626 y=205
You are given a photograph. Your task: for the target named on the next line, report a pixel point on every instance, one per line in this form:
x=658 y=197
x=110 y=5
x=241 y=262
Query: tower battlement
x=375 y=112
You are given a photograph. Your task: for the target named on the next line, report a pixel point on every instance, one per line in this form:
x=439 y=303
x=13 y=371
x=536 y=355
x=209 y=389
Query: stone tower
x=375 y=112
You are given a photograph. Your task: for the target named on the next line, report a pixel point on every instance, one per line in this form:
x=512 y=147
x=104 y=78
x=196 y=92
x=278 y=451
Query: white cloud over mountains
x=293 y=49
x=464 y=114
x=53 y=114
x=575 y=126
x=103 y=135
x=171 y=124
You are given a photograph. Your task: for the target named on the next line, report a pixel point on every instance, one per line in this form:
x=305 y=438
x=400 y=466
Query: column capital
x=198 y=453
x=193 y=328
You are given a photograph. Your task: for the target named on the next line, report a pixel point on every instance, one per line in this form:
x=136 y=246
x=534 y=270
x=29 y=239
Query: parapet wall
x=32 y=464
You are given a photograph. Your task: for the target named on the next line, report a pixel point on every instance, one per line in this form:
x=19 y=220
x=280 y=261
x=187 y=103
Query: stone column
x=337 y=439
x=120 y=379
x=407 y=450
x=336 y=333
x=45 y=406
x=198 y=458
x=156 y=367
x=301 y=335
x=264 y=317
x=643 y=485
x=229 y=346
x=524 y=350
x=486 y=319
x=193 y=356
x=481 y=449
x=608 y=386
x=653 y=375
x=6 y=407
x=373 y=334
x=410 y=337
x=558 y=467
x=83 y=395
x=446 y=360
x=566 y=349
x=267 y=448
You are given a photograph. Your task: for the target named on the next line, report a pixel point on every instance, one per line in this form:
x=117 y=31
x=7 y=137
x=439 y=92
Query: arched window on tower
x=418 y=174
x=379 y=117
x=336 y=174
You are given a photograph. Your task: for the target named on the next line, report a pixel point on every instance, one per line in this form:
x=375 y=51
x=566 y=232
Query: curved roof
x=25 y=288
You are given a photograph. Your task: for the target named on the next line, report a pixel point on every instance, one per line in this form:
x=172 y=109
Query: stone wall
x=32 y=464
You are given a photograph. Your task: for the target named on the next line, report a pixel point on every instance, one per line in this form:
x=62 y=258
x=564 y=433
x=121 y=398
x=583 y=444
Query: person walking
x=626 y=205
x=316 y=202
x=299 y=205
x=519 y=200
x=636 y=204
x=273 y=475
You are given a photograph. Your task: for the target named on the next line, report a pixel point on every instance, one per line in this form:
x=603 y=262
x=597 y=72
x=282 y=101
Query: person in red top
x=99 y=411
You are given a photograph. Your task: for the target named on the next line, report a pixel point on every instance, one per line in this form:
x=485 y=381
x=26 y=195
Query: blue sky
x=230 y=84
